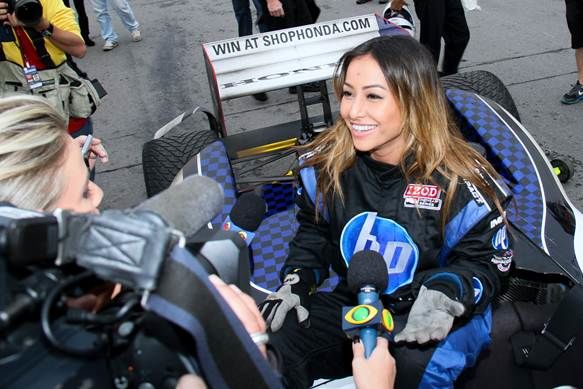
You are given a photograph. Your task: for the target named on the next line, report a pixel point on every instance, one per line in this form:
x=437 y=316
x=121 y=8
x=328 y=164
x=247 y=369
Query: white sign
x=291 y=36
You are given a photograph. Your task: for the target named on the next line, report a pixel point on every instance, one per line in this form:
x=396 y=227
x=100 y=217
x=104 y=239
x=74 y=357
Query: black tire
x=163 y=158
x=485 y=84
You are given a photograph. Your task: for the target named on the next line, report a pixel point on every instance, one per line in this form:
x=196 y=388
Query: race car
x=536 y=319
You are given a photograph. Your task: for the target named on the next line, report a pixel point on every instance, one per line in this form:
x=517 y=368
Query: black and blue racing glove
x=294 y=293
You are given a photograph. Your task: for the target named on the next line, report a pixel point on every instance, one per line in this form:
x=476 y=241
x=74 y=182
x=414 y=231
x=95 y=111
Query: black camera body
x=28 y=12
x=125 y=343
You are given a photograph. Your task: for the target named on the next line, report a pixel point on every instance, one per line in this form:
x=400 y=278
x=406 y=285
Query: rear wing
x=279 y=59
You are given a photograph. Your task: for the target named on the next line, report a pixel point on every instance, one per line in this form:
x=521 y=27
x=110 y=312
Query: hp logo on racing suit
x=367 y=231
x=500 y=239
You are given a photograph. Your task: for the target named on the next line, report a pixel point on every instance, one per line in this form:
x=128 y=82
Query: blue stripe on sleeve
x=459 y=226
x=459 y=350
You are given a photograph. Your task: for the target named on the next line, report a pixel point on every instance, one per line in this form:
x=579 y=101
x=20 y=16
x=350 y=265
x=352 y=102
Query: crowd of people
x=394 y=135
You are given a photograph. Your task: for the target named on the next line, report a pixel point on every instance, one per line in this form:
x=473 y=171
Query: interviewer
x=41 y=166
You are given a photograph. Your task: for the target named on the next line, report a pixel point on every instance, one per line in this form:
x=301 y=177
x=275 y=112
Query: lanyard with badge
x=31 y=74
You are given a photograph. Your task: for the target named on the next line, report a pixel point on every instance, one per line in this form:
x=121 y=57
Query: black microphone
x=367 y=276
x=189 y=205
x=246 y=216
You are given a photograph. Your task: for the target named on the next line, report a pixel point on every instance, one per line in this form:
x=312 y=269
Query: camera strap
x=225 y=352
x=32 y=61
x=39 y=45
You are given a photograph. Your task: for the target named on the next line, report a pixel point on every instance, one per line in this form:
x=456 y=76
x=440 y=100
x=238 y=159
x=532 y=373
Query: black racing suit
x=403 y=221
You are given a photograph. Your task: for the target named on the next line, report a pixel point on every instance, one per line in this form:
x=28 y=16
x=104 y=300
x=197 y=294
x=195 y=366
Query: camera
x=134 y=338
x=28 y=12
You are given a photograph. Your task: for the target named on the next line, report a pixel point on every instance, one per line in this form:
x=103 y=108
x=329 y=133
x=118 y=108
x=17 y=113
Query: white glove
x=431 y=317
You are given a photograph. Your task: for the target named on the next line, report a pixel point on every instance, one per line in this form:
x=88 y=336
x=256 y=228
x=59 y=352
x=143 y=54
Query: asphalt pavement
x=525 y=43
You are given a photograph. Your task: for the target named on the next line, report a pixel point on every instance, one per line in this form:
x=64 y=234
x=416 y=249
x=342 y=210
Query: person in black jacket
x=280 y=14
x=82 y=19
x=393 y=175
x=442 y=19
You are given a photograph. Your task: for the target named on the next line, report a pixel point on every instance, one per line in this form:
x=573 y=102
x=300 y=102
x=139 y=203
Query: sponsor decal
x=367 y=231
x=423 y=196
x=247 y=236
x=500 y=239
x=478 y=289
x=292 y=36
x=274 y=76
x=495 y=222
x=503 y=261
x=475 y=193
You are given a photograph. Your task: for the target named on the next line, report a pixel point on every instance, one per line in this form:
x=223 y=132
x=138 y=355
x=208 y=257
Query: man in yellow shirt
x=58 y=27
x=33 y=58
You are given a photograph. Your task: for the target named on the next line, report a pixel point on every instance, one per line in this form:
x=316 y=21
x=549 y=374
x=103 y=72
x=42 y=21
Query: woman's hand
x=244 y=307
x=376 y=372
x=96 y=150
x=190 y=381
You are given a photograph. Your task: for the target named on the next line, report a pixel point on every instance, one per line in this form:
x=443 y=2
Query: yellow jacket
x=60 y=16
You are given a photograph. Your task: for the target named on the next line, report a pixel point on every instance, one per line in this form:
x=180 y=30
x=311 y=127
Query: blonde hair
x=32 y=149
x=433 y=143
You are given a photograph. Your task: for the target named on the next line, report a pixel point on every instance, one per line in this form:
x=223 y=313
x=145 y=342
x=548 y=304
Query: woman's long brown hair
x=433 y=141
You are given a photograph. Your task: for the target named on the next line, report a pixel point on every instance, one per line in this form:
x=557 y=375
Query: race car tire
x=485 y=84
x=163 y=158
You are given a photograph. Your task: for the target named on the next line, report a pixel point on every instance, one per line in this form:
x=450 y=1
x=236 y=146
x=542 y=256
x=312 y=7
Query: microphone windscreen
x=248 y=211
x=189 y=205
x=367 y=267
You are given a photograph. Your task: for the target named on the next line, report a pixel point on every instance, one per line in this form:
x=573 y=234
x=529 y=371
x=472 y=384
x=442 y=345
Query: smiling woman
x=393 y=175
x=41 y=166
x=371 y=111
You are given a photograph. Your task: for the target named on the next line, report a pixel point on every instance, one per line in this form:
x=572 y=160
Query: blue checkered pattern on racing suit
x=479 y=123
x=270 y=244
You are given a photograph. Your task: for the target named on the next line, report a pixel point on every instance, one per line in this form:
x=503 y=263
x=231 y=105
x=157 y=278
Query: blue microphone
x=367 y=277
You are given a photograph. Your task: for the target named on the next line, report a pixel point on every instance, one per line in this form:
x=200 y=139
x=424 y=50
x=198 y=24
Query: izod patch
x=423 y=196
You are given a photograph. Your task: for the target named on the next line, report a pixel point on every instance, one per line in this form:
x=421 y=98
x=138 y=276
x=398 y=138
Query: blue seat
x=270 y=245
